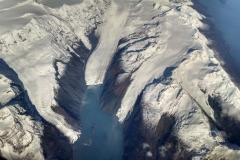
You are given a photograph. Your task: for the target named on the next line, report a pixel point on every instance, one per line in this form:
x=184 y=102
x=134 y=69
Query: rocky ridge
x=48 y=55
x=163 y=82
x=166 y=83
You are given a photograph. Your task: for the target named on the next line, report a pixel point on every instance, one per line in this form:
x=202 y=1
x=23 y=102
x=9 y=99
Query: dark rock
x=224 y=122
x=112 y=94
x=55 y=144
x=162 y=143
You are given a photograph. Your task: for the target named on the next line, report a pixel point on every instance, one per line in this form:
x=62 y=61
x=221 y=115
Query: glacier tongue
x=109 y=32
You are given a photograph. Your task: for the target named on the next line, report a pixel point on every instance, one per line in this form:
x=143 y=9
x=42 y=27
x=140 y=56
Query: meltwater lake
x=101 y=137
x=225 y=14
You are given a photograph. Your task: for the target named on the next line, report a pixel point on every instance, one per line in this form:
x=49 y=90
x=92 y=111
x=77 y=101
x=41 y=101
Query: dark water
x=99 y=130
x=226 y=17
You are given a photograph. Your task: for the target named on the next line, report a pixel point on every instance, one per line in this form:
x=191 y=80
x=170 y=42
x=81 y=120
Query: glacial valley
x=162 y=76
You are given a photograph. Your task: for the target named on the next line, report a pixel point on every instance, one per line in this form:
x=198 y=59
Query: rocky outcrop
x=47 y=56
x=141 y=144
x=54 y=144
x=113 y=92
x=21 y=125
x=72 y=85
x=163 y=83
x=228 y=124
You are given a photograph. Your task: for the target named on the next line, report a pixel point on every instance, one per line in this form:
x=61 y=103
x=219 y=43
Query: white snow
x=169 y=60
x=166 y=57
x=6 y=93
x=15 y=14
x=110 y=32
x=223 y=152
x=168 y=43
x=19 y=135
x=61 y=68
x=44 y=35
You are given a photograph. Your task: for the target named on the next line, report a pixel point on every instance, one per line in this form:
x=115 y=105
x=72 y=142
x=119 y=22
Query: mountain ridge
x=159 y=70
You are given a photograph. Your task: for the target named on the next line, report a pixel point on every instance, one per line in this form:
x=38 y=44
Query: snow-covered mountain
x=47 y=54
x=162 y=78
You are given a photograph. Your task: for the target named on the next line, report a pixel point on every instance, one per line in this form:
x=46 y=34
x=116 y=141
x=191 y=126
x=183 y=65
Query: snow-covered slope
x=48 y=51
x=31 y=51
x=20 y=127
x=160 y=78
x=164 y=67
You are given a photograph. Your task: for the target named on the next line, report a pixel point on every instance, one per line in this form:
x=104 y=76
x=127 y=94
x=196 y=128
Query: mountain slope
x=160 y=76
x=48 y=54
x=165 y=82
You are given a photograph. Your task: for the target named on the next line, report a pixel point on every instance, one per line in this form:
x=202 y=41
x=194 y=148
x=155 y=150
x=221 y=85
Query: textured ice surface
x=15 y=14
x=171 y=66
x=109 y=32
x=159 y=47
x=31 y=49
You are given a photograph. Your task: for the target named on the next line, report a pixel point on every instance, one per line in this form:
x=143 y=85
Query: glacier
x=161 y=74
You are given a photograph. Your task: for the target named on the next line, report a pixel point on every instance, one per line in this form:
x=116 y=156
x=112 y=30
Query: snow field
x=31 y=49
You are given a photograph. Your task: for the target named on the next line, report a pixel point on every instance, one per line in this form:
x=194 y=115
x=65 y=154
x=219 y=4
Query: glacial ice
x=167 y=58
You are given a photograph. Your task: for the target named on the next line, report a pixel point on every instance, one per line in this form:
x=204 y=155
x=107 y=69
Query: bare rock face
x=142 y=144
x=54 y=144
x=113 y=92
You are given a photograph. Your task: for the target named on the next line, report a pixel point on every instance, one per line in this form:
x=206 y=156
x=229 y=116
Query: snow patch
x=6 y=92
